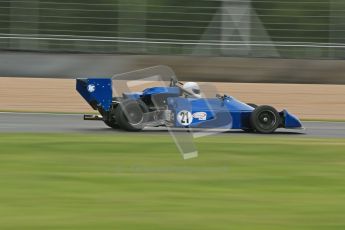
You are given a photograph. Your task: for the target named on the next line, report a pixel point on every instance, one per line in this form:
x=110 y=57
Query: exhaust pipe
x=92 y=117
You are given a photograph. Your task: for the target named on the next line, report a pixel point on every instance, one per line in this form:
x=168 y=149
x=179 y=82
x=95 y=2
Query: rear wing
x=96 y=91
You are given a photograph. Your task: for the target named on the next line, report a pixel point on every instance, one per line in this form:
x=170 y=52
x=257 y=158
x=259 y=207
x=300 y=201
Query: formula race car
x=176 y=105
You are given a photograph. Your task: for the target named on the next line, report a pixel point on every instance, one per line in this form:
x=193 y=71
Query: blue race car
x=178 y=105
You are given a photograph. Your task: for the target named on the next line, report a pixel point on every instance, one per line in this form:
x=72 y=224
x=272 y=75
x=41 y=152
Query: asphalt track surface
x=74 y=123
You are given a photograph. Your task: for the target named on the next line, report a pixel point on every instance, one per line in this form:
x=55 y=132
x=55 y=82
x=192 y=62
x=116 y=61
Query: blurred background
x=242 y=28
x=219 y=40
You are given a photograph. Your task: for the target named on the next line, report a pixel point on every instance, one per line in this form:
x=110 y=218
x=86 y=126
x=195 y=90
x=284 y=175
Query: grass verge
x=75 y=181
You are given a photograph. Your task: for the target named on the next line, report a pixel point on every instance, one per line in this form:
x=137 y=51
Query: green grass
x=70 y=181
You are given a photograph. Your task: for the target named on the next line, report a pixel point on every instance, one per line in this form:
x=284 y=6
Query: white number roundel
x=185 y=117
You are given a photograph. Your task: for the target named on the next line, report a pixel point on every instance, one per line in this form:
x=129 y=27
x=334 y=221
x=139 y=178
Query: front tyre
x=265 y=119
x=130 y=115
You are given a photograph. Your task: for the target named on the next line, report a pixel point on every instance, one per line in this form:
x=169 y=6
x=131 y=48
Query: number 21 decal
x=185 y=117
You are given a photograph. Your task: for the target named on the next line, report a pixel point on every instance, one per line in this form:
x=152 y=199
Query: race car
x=178 y=105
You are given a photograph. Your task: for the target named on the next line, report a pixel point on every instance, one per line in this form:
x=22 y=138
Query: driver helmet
x=192 y=87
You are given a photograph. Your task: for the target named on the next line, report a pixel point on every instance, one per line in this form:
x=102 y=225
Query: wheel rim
x=267 y=120
x=134 y=114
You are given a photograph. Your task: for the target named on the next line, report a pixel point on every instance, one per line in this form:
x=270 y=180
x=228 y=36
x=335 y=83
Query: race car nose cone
x=291 y=121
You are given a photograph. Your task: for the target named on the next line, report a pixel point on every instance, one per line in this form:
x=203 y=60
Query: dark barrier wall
x=223 y=69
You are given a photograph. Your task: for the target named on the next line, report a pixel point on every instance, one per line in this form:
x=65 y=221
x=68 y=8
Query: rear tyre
x=112 y=124
x=265 y=119
x=130 y=115
x=108 y=119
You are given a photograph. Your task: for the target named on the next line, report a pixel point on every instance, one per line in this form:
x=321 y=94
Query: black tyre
x=112 y=124
x=265 y=119
x=130 y=115
x=109 y=119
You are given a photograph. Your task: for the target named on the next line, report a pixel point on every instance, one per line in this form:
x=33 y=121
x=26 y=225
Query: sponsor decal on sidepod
x=200 y=116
